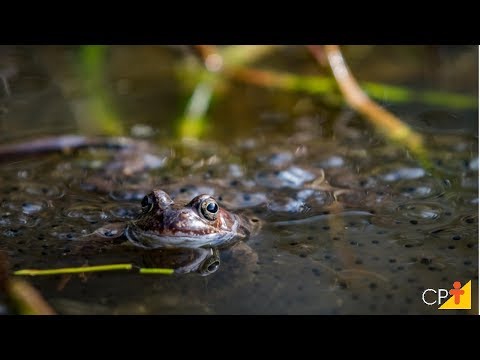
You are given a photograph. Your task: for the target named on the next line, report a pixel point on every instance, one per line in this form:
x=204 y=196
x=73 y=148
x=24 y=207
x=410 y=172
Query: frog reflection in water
x=200 y=227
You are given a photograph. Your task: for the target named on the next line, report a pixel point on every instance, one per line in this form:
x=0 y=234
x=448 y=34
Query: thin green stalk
x=75 y=270
x=156 y=271
x=194 y=122
x=98 y=268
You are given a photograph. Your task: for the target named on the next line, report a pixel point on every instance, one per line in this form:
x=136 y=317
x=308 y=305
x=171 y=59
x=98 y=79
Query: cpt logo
x=460 y=297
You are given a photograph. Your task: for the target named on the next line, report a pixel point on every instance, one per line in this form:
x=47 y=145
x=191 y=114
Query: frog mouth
x=151 y=241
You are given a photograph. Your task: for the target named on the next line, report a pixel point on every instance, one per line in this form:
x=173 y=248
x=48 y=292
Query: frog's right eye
x=147 y=203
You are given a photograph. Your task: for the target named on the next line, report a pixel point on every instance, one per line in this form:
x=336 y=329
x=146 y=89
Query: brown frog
x=192 y=232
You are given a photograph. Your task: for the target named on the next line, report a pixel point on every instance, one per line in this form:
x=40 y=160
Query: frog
x=190 y=234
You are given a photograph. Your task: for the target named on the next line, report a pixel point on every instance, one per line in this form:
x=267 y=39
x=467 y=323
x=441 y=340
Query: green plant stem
x=101 y=114
x=98 y=268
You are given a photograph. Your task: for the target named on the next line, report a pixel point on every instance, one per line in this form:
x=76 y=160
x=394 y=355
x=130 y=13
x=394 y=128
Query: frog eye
x=209 y=209
x=147 y=203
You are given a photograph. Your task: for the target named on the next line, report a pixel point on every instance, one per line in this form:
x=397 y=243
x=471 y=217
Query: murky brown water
x=394 y=231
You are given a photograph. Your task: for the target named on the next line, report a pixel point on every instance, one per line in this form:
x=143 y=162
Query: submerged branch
x=27 y=299
x=23 y=296
x=387 y=123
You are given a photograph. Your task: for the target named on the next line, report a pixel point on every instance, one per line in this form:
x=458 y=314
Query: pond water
x=351 y=224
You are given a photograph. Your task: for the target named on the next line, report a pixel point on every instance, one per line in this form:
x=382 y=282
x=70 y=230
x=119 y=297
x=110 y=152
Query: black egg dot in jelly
x=303 y=255
x=358 y=262
x=425 y=261
x=336 y=238
x=469 y=220
x=293 y=243
x=392 y=260
x=212 y=207
x=316 y=271
x=220 y=198
x=372 y=286
x=374 y=241
x=456 y=237
x=326 y=227
x=234 y=182
x=408 y=246
x=309 y=237
x=431 y=268
x=69 y=236
x=451 y=247
x=470 y=245
x=413 y=222
x=467 y=262
x=44 y=253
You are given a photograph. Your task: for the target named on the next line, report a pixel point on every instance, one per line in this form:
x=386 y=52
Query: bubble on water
x=333 y=161
x=288 y=205
x=303 y=195
x=128 y=194
x=90 y=213
x=123 y=211
x=421 y=212
x=235 y=170
x=292 y=177
x=404 y=174
x=427 y=188
x=280 y=159
x=473 y=164
x=43 y=190
x=246 y=200
x=32 y=207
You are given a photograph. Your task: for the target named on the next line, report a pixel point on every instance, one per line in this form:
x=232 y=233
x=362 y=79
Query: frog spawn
x=410 y=214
